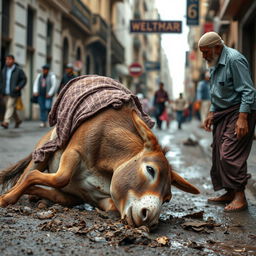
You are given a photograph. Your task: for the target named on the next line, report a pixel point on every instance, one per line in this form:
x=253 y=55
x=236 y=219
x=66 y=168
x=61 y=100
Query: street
x=188 y=224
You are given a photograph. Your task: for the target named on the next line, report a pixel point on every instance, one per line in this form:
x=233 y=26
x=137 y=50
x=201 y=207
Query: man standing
x=160 y=98
x=233 y=116
x=203 y=97
x=180 y=105
x=13 y=79
x=69 y=75
x=44 y=88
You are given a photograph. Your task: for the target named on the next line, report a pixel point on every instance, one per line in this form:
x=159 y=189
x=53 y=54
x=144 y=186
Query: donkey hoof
x=2 y=202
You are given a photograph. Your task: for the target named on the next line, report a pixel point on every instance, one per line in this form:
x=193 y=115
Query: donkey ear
x=150 y=141
x=183 y=184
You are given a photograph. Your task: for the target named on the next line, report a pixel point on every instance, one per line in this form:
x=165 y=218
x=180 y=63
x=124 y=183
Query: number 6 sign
x=192 y=12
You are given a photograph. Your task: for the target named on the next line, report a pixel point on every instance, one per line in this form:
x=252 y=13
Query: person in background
x=44 y=88
x=12 y=80
x=233 y=116
x=160 y=99
x=69 y=75
x=203 y=97
x=180 y=105
x=144 y=102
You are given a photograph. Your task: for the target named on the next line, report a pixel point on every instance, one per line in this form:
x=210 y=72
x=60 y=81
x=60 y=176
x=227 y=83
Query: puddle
x=233 y=248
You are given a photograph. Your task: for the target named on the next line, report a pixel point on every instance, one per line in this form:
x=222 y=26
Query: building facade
x=93 y=35
x=58 y=32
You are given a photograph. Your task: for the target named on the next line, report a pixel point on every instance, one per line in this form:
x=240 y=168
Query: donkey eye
x=151 y=171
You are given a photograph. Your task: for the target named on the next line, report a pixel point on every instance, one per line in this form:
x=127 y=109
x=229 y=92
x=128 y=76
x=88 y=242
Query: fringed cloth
x=229 y=154
x=81 y=98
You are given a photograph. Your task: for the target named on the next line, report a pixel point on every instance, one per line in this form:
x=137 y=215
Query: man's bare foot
x=226 y=198
x=239 y=203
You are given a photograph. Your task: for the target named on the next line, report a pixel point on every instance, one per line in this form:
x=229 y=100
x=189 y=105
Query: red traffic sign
x=135 y=69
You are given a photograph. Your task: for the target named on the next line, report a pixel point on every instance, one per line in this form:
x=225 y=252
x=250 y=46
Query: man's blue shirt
x=231 y=82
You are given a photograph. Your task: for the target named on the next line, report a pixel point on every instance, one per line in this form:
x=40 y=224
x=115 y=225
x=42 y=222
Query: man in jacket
x=233 y=117
x=12 y=80
x=69 y=75
x=44 y=88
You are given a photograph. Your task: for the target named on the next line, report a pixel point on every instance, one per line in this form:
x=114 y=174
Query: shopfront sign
x=155 y=26
x=152 y=65
x=193 y=12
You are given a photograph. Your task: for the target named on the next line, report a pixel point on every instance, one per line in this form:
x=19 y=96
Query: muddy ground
x=188 y=225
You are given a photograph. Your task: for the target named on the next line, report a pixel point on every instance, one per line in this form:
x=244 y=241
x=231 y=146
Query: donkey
x=112 y=161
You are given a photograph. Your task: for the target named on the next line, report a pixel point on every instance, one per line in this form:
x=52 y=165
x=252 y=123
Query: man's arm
x=53 y=88
x=22 y=79
x=241 y=128
x=244 y=85
x=208 y=122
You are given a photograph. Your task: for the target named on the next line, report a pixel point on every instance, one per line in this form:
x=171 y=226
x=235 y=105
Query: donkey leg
x=107 y=205
x=69 y=161
x=31 y=166
x=55 y=195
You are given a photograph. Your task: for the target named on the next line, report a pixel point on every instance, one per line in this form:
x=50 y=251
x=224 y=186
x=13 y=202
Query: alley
x=188 y=225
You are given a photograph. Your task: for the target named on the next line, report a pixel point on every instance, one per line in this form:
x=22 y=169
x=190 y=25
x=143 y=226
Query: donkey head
x=142 y=184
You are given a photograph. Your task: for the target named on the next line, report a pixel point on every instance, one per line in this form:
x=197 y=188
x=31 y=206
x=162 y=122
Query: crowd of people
x=13 y=79
x=45 y=86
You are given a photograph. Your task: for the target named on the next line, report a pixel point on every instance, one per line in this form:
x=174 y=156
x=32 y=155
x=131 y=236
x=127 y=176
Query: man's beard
x=214 y=60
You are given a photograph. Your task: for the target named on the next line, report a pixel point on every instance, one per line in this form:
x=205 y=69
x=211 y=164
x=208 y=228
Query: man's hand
x=241 y=128
x=17 y=88
x=208 y=122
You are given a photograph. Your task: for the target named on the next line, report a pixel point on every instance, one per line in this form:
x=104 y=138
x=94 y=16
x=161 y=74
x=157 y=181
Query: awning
x=122 y=69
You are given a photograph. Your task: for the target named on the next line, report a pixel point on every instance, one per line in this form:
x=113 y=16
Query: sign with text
x=152 y=65
x=155 y=26
x=192 y=12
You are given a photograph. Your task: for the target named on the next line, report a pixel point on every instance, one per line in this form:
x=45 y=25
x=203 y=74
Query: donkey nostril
x=144 y=214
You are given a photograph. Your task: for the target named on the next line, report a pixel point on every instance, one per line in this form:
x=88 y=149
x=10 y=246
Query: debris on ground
x=195 y=215
x=45 y=215
x=200 y=226
x=195 y=245
x=190 y=142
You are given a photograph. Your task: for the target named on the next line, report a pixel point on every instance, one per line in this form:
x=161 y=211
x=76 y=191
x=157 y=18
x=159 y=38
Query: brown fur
x=10 y=175
x=113 y=147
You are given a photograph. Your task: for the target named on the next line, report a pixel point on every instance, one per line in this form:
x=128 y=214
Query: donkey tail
x=10 y=175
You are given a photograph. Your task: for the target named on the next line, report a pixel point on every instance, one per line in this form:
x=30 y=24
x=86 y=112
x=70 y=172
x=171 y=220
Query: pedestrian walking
x=233 y=117
x=203 y=96
x=12 y=80
x=44 y=88
x=180 y=105
x=160 y=99
x=69 y=75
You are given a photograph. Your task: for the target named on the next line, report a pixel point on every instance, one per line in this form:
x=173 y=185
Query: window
x=65 y=53
x=30 y=22
x=49 y=40
x=88 y=64
x=5 y=19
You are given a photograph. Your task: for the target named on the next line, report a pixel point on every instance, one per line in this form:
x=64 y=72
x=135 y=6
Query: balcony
x=99 y=28
x=81 y=13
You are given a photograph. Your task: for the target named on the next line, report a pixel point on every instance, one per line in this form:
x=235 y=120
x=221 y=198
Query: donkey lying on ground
x=100 y=151
x=113 y=161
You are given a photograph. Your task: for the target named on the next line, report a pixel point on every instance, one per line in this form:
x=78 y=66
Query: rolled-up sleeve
x=243 y=84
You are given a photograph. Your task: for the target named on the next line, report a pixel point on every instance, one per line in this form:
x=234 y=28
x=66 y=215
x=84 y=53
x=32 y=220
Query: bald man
x=233 y=116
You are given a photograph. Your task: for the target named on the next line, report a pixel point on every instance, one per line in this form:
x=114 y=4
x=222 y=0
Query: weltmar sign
x=155 y=26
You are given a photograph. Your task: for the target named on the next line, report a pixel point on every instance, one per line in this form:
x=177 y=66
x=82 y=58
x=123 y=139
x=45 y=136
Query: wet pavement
x=188 y=224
